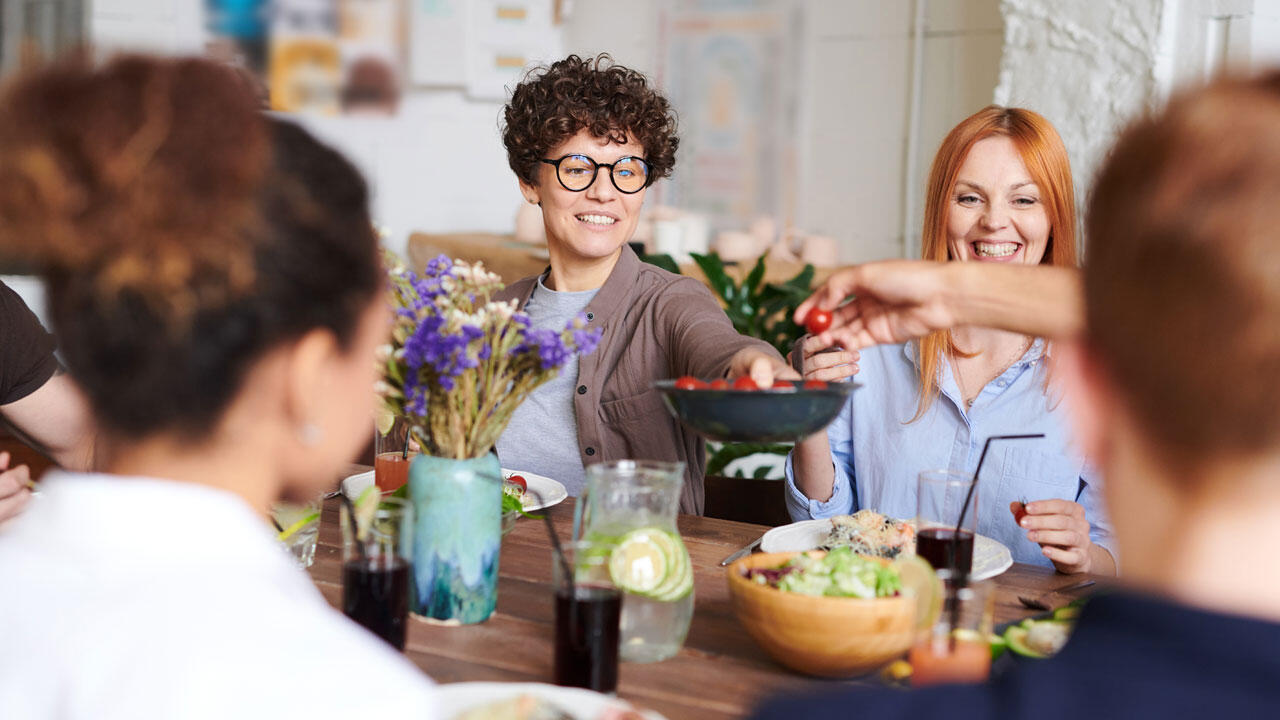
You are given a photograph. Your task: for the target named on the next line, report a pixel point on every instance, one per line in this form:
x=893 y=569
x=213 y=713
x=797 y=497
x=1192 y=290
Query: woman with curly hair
x=586 y=138
x=214 y=280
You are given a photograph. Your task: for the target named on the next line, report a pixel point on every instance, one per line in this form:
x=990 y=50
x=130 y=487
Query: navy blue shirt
x=1131 y=656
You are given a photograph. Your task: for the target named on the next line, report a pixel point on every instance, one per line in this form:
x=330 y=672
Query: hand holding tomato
x=1061 y=530
x=821 y=362
x=761 y=367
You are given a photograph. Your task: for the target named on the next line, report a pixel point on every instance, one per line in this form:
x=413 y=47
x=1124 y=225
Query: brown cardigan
x=656 y=325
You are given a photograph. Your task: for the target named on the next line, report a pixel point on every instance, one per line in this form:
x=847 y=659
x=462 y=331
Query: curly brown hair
x=182 y=235
x=554 y=102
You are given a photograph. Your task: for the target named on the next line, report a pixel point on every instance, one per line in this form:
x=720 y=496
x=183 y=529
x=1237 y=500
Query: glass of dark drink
x=376 y=568
x=588 y=612
x=940 y=497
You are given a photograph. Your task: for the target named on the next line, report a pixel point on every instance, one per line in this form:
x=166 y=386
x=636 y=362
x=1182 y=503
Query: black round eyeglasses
x=577 y=172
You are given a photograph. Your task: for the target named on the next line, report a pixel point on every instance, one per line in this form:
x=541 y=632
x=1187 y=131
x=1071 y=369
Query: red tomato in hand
x=817 y=321
x=745 y=383
x=1019 y=510
x=814 y=385
x=689 y=383
x=783 y=385
x=720 y=384
x=519 y=480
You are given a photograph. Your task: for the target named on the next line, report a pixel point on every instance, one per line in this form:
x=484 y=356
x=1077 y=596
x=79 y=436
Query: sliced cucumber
x=680 y=580
x=1016 y=638
x=1069 y=612
x=642 y=561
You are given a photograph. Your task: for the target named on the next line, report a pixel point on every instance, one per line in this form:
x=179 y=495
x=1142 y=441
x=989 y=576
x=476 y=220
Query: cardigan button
x=582 y=389
x=591 y=451
x=591 y=316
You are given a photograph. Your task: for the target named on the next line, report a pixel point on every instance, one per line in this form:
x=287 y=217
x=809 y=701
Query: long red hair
x=1046 y=160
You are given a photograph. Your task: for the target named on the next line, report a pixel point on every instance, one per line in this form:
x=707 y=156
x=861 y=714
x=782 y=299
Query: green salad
x=840 y=573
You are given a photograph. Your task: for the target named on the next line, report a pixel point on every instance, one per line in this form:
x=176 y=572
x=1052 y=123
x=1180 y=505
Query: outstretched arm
x=898 y=300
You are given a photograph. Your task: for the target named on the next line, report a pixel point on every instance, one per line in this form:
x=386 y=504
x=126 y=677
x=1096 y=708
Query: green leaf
x=662 y=260
x=720 y=459
x=762 y=472
x=752 y=283
x=803 y=279
x=713 y=267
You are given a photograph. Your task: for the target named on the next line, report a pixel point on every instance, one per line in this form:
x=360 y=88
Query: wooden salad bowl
x=823 y=636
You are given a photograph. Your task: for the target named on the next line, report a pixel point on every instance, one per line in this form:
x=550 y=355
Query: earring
x=309 y=434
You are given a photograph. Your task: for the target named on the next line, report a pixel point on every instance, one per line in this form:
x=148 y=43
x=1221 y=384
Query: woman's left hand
x=760 y=366
x=820 y=362
x=1061 y=530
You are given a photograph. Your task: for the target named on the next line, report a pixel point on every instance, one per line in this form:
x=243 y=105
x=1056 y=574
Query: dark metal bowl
x=771 y=415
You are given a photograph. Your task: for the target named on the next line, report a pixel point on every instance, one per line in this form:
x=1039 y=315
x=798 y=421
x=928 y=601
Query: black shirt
x=1131 y=656
x=26 y=350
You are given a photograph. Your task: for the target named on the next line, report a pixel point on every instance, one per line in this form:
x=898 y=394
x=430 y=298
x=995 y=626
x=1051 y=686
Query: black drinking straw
x=565 y=570
x=960 y=580
x=355 y=526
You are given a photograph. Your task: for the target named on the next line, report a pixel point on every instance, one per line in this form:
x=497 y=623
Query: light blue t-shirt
x=542 y=436
x=878 y=454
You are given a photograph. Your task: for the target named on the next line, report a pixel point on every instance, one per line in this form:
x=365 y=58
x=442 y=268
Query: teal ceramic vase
x=457 y=536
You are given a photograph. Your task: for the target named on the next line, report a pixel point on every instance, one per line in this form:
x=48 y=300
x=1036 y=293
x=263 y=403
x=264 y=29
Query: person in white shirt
x=213 y=276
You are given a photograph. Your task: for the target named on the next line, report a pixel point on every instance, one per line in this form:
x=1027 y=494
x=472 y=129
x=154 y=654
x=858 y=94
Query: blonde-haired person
x=999 y=191
x=214 y=281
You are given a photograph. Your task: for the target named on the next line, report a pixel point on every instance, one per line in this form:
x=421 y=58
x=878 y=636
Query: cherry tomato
x=720 y=384
x=519 y=480
x=814 y=385
x=817 y=321
x=783 y=385
x=745 y=383
x=689 y=383
x=1019 y=510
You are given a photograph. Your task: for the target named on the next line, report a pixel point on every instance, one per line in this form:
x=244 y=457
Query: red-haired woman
x=999 y=191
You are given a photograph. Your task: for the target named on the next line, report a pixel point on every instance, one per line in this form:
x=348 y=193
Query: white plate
x=353 y=485
x=455 y=698
x=551 y=491
x=990 y=557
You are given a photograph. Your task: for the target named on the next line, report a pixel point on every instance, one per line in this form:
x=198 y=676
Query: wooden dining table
x=720 y=672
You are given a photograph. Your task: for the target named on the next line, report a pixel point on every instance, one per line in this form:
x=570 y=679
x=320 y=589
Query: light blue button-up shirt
x=878 y=454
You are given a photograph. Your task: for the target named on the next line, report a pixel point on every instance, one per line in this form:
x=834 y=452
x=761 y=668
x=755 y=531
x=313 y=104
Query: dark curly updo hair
x=182 y=235
x=553 y=103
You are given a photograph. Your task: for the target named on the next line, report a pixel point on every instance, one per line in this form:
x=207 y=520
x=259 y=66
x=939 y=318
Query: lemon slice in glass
x=920 y=581
x=365 y=506
x=383 y=419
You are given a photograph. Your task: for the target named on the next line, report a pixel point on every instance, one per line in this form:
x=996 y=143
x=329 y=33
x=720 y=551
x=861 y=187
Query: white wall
x=855 y=101
x=437 y=166
x=1090 y=67
x=861 y=180
x=862 y=164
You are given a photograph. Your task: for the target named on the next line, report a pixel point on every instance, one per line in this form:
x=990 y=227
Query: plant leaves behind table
x=756 y=309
